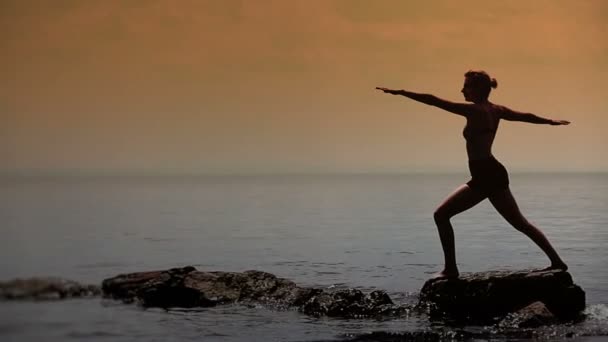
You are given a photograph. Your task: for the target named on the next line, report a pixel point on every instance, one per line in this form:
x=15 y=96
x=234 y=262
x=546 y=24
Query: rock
x=187 y=287
x=45 y=289
x=350 y=303
x=532 y=316
x=487 y=296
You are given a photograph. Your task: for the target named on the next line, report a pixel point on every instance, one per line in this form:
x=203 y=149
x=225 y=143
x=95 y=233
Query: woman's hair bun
x=493 y=83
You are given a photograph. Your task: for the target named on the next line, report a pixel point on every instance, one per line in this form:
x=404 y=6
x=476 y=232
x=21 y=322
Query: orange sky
x=288 y=86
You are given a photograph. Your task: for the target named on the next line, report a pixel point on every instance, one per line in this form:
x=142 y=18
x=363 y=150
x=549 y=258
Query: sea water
x=363 y=231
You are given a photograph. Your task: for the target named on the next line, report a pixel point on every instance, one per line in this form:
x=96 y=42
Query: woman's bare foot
x=560 y=266
x=445 y=274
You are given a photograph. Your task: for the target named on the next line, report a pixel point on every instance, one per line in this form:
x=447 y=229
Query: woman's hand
x=559 y=122
x=389 y=91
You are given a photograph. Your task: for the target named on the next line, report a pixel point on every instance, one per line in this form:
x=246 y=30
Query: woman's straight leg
x=506 y=205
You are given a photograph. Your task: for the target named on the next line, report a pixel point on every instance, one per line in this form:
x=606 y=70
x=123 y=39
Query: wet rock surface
x=487 y=297
x=532 y=316
x=48 y=288
x=351 y=303
x=187 y=287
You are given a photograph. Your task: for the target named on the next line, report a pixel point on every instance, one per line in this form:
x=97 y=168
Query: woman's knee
x=441 y=215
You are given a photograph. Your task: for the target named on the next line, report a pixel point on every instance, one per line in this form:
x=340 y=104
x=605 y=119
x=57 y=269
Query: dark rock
x=532 y=316
x=349 y=303
x=187 y=287
x=487 y=296
x=45 y=289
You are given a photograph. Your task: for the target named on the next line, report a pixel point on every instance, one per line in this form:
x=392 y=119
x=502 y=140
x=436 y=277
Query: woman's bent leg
x=461 y=199
x=506 y=205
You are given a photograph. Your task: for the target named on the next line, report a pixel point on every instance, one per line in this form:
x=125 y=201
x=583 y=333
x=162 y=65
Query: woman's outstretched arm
x=432 y=100
x=512 y=115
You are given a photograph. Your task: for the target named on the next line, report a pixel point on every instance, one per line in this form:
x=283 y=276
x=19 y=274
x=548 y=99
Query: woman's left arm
x=512 y=115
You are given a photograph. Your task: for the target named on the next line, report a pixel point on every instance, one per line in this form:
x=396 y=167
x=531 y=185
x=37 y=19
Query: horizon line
x=84 y=173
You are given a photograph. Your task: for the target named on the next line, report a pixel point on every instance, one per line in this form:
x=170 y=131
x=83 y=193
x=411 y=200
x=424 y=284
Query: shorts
x=488 y=176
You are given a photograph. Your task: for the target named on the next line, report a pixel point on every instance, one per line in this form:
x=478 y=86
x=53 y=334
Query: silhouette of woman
x=489 y=178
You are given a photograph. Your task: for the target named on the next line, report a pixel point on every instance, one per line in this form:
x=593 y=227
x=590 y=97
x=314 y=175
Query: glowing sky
x=216 y=86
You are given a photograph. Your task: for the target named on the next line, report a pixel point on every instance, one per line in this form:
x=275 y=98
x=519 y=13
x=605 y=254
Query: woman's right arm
x=432 y=100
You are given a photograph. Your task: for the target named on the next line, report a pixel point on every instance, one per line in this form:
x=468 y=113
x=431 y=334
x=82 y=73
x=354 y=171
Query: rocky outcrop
x=351 y=303
x=478 y=298
x=505 y=299
x=532 y=316
x=187 y=287
x=489 y=296
x=45 y=289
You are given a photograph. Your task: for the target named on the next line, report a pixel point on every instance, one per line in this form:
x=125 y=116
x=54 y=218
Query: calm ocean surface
x=364 y=231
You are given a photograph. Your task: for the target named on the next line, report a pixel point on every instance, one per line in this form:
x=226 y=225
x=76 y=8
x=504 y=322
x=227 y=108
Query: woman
x=489 y=178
